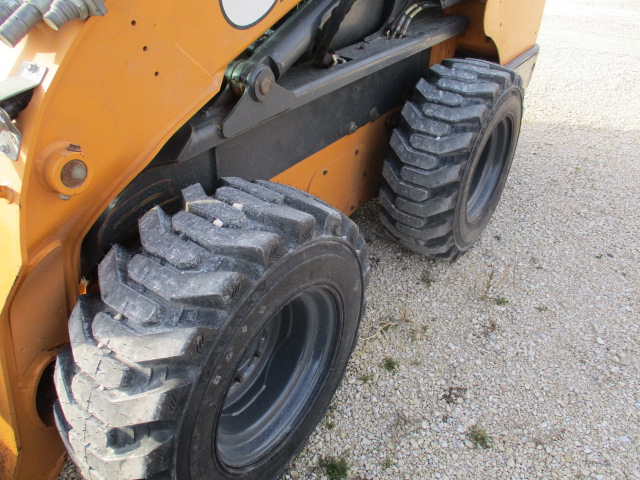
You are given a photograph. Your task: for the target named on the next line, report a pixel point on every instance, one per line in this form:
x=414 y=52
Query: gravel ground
x=531 y=341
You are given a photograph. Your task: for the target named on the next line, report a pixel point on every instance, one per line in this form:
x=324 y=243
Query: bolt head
x=4 y=148
x=265 y=85
x=353 y=128
x=73 y=174
x=32 y=67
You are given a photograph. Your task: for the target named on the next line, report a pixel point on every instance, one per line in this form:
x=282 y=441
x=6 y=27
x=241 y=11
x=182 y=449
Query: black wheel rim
x=277 y=378
x=488 y=170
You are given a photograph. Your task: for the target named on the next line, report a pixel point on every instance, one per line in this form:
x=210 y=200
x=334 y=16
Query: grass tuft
x=502 y=301
x=426 y=278
x=390 y=365
x=479 y=437
x=335 y=468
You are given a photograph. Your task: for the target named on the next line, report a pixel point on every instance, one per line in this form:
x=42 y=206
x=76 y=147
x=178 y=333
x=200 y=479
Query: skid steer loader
x=180 y=284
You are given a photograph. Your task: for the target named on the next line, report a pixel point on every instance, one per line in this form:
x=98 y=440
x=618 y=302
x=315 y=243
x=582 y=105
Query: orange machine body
x=117 y=88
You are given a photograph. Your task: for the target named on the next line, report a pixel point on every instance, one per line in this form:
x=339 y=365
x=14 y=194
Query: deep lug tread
x=328 y=219
x=428 y=126
x=435 y=178
x=94 y=358
x=431 y=147
x=401 y=145
x=387 y=200
x=428 y=232
x=197 y=202
x=149 y=455
x=119 y=295
x=501 y=78
x=425 y=92
x=158 y=239
x=87 y=426
x=431 y=207
x=197 y=289
x=474 y=62
x=479 y=89
x=433 y=248
x=296 y=226
x=391 y=174
x=262 y=248
x=176 y=343
x=467 y=114
x=134 y=355
x=255 y=189
x=439 y=71
x=442 y=146
x=121 y=409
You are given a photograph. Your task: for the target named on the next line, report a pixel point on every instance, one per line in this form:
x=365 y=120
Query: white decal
x=244 y=13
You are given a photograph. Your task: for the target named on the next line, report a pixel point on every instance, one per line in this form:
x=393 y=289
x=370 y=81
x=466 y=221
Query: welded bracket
x=29 y=76
x=10 y=136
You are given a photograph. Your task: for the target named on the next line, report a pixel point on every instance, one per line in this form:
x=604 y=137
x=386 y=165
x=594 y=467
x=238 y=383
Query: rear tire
x=451 y=156
x=216 y=347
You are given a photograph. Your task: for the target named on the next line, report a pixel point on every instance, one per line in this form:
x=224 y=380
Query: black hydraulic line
x=401 y=25
x=322 y=47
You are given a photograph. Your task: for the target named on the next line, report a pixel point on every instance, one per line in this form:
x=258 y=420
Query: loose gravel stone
x=552 y=376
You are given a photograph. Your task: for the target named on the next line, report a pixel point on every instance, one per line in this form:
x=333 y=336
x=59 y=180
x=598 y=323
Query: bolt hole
x=156 y=74
x=145 y=48
x=357 y=152
x=325 y=172
x=133 y=23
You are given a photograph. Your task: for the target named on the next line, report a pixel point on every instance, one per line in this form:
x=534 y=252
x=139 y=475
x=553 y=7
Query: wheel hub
x=276 y=377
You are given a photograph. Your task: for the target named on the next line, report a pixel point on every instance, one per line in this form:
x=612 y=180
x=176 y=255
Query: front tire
x=216 y=347
x=451 y=155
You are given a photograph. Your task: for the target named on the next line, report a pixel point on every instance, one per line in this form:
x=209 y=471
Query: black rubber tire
x=262 y=284
x=450 y=156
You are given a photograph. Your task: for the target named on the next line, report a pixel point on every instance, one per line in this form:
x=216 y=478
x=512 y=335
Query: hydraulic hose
x=7 y=7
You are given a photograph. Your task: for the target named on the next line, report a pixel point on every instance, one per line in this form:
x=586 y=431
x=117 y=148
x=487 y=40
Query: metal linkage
x=279 y=52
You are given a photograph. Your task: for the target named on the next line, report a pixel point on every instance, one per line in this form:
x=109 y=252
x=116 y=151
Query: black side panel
x=278 y=144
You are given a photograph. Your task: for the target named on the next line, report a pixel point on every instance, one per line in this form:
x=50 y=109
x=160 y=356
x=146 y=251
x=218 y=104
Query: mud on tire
x=451 y=156
x=214 y=349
